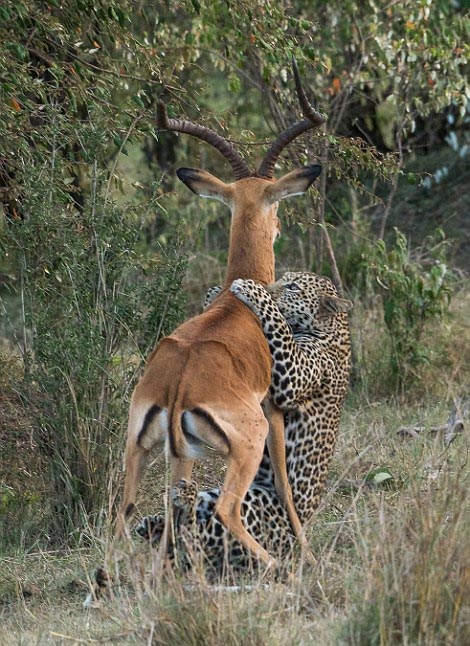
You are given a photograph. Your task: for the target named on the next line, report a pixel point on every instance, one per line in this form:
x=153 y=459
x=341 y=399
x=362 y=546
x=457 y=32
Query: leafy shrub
x=93 y=306
x=413 y=292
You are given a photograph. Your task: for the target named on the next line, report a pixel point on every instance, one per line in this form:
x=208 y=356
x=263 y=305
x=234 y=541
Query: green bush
x=413 y=291
x=93 y=305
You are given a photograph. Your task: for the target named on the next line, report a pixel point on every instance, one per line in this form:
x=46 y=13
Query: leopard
x=306 y=325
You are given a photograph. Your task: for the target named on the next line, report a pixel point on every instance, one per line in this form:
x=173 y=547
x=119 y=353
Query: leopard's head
x=307 y=301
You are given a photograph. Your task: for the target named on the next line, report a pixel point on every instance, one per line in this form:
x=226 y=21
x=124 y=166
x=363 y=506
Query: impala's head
x=253 y=197
x=252 y=200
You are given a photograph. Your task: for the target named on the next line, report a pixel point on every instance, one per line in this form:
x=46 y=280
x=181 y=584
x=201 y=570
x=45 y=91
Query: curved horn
x=237 y=162
x=313 y=119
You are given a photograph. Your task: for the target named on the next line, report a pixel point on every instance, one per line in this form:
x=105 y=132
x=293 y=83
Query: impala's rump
x=189 y=434
x=203 y=435
x=218 y=354
x=196 y=374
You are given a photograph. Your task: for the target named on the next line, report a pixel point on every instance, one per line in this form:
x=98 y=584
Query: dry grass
x=447 y=346
x=392 y=564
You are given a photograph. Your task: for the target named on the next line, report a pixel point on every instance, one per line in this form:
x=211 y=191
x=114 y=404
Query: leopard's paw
x=151 y=528
x=211 y=295
x=100 y=588
x=247 y=291
x=184 y=495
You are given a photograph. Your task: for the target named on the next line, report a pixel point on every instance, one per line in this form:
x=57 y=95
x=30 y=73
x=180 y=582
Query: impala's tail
x=195 y=433
x=176 y=441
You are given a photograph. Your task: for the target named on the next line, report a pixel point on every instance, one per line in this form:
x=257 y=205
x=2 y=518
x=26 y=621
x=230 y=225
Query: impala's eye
x=293 y=287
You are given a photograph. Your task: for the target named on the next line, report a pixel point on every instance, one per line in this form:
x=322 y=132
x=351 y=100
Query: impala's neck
x=251 y=253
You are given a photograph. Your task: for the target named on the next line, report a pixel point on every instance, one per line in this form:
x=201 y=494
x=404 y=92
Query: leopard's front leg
x=295 y=372
x=283 y=349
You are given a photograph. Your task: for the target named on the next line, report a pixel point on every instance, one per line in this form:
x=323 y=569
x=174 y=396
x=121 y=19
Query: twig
x=76 y=639
x=124 y=141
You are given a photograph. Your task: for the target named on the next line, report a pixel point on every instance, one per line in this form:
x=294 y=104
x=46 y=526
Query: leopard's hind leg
x=184 y=496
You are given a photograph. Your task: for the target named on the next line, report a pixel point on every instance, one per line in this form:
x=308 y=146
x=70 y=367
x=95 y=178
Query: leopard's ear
x=330 y=305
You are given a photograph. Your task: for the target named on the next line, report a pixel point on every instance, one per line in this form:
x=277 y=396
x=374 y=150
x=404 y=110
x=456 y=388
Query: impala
x=203 y=385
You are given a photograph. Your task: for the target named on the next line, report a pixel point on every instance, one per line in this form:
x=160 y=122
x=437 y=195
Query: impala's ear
x=330 y=305
x=294 y=183
x=206 y=185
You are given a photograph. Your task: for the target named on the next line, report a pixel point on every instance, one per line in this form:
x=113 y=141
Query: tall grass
x=414 y=556
x=392 y=559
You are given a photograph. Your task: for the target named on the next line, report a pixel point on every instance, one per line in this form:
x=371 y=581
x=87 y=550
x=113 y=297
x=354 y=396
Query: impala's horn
x=235 y=160
x=313 y=119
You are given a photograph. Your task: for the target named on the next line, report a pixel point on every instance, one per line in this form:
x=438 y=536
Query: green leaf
x=138 y=101
x=196 y=6
x=20 y=51
x=380 y=476
x=234 y=84
x=121 y=16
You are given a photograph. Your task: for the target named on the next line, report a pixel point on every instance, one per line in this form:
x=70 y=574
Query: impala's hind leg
x=184 y=499
x=180 y=470
x=134 y=463
x=146 y=429
x=246 y=451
